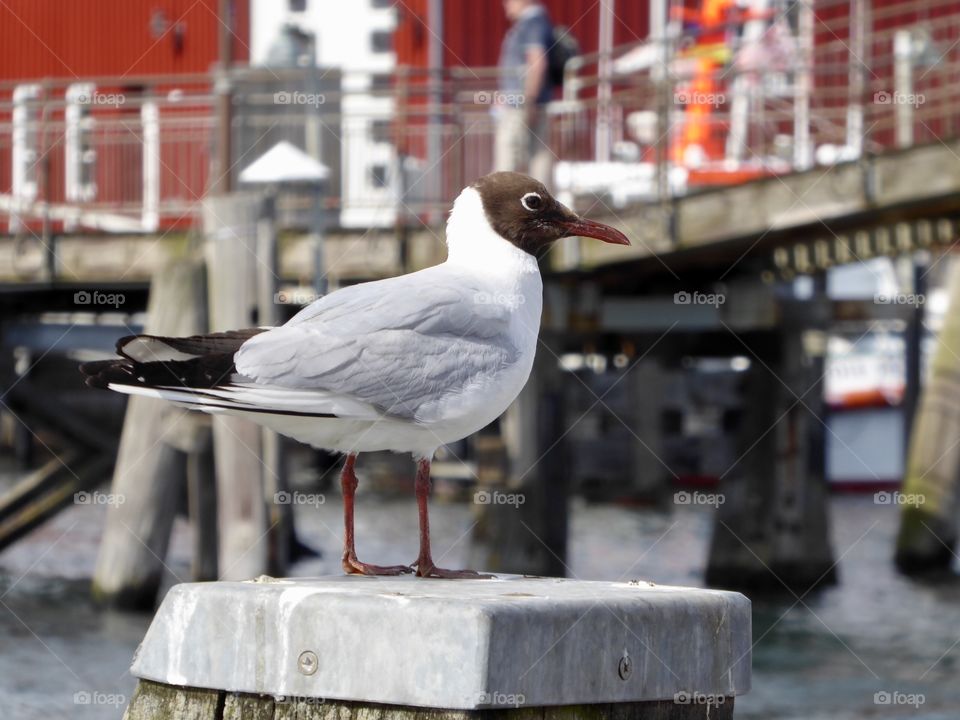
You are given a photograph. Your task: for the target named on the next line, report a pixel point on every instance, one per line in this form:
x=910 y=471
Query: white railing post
x=859 y=28
x=902 y=97
x=802 y=144
x=150 y=121
x=604 y=90
x=25 y=151
x=79 y=167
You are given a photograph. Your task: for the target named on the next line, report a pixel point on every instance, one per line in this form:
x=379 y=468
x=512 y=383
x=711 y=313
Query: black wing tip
x=101 y=373
x=211 y=367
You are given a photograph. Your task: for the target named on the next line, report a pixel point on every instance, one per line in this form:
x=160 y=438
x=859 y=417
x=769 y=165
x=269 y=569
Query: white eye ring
x=525 y=201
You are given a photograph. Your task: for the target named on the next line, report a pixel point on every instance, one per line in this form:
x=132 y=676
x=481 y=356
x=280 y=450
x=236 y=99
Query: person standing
x=521 y=140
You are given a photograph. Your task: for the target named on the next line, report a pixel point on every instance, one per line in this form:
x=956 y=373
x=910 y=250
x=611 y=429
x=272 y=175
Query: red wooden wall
x=83 y=38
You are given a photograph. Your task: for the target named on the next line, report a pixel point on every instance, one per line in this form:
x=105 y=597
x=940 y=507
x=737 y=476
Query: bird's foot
x=429 y=570
x=352 y=566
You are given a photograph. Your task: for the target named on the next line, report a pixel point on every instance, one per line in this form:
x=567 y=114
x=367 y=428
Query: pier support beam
x=928 y=526
x=232 y=224
x=772 y=530
x=151 y=464
x=522 y=504
x=407 y=648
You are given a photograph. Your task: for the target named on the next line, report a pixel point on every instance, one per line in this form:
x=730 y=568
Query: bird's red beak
x=581 y=227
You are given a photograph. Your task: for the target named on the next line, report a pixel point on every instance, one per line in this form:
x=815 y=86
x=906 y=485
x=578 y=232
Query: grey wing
x=393 y=345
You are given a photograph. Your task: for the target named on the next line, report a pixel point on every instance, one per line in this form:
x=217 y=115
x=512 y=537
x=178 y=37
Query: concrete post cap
x=507 y=642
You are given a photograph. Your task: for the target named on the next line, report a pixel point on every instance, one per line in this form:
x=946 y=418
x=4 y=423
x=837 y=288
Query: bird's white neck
x=473 y=244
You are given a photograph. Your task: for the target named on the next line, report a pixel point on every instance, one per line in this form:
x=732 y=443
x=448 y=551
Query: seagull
x=407 y=364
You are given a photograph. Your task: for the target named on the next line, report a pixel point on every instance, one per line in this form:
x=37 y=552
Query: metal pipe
x=603 y=131
x=859 y=27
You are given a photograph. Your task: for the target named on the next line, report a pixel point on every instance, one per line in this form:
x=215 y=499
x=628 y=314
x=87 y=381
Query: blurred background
x=761 y=394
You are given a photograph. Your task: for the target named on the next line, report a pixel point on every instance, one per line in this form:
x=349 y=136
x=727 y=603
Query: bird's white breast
x=510 y=278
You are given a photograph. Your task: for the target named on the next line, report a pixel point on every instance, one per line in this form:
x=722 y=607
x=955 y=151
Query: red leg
x=352 y=566
x=425 y=565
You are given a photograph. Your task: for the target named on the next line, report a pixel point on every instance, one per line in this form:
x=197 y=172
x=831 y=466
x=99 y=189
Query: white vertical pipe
x=24 y=152
x=150 y=121
x=802 y=145
x=903 y=87
x=604 y=91
x=857 y=80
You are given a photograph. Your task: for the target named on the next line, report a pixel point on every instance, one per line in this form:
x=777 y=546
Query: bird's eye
x=532 y=201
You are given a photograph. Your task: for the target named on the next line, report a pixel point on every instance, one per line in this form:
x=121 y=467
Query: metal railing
x=798 y=86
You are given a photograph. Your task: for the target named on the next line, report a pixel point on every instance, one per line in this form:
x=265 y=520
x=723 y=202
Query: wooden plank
x=51 y=489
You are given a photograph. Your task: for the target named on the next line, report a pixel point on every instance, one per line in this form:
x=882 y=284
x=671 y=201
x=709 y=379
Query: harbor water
x=874 y=646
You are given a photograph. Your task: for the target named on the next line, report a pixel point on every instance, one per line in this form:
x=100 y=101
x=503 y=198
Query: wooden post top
x=506 y=642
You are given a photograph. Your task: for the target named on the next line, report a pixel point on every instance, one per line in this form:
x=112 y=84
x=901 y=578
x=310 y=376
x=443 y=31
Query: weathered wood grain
x=156 y=701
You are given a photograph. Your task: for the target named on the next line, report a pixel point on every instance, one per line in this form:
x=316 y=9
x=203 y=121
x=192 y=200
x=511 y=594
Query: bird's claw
x=429 y=570
x=352 y=566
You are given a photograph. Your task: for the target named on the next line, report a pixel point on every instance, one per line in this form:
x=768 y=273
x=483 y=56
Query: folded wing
x=398 y=346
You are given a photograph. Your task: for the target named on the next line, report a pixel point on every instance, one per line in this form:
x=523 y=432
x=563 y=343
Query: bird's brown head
x=520 y=210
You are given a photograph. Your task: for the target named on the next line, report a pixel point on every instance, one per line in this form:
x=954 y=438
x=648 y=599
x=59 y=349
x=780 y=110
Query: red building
x=89 y=38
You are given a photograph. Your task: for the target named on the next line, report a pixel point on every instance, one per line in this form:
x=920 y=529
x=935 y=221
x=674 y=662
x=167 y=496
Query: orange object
x=701 y=134
x=701 y=145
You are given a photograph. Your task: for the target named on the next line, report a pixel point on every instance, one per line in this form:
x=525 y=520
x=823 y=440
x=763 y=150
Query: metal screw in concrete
x=626 y=666
x=308 y=662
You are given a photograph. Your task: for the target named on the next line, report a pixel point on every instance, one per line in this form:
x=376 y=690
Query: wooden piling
x=153 y=701
x=772 y=531
x=929 y=497
x=202 y=504
x=231 y=228
x=408 y=648
x=150 y=469
x=522 y=514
